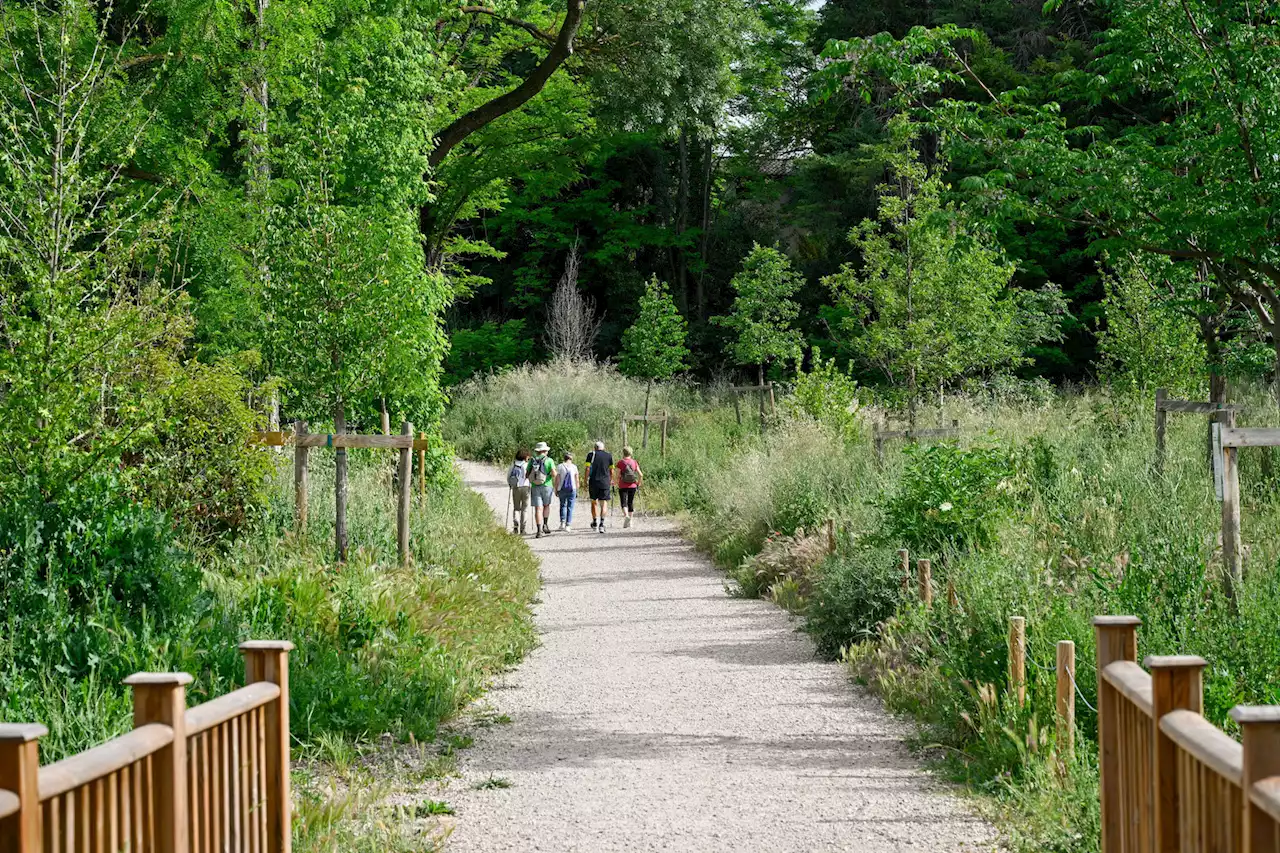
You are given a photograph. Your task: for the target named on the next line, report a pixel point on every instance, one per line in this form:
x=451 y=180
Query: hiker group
x=535 y=479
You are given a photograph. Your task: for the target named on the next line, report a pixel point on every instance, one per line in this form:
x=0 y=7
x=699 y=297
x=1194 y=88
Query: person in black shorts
x=599 y=484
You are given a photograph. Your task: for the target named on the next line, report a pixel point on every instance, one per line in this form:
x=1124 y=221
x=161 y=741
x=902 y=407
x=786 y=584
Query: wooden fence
x=209 y=779
x=1170 y=780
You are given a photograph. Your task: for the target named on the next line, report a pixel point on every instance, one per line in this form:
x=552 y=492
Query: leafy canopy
x=763 y=311
x=654 y=346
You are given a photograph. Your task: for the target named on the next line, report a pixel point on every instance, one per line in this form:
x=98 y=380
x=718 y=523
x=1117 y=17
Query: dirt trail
x=661 y=714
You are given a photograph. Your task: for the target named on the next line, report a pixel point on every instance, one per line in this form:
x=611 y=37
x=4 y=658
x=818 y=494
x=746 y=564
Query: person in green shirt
x=542 y=478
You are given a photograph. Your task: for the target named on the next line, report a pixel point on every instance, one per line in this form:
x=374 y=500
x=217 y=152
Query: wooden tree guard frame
x=1165 y=406
x=762 y=390
x=880 y=436
x=1227 y=441
x=405 y=443
x=662 y=418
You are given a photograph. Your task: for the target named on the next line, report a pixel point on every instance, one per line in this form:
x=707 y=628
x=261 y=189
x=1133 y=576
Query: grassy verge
x=1048 y=509
x=383 y=656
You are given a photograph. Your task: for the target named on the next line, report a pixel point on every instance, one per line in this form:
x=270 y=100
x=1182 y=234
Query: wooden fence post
x=831 y=536
x=664 y=433
x=1116 y=640
x=268 y=660
x=300 y=457
x=925 y=578
x=1066 y=699
x=1161 y=420
x=1232 y=559
x=878 y=442
x=20 y=774
x=1176 y=685
x=737 y=406
x=773 y=403
x=161 y=697
x=1018 y=659
x=953 y=599
x=422 y=467
x=624 y=430
x=1260 y=740
x=406 y=490
x=904 y=566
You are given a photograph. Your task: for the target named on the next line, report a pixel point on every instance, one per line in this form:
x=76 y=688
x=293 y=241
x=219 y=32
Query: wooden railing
x=1171 y=780
x=210 y=779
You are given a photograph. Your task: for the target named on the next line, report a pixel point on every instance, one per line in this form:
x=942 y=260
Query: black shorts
x=628 y=498
x=601 y=492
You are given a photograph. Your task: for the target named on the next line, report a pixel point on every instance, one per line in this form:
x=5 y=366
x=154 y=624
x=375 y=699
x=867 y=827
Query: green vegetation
x=1048 y=509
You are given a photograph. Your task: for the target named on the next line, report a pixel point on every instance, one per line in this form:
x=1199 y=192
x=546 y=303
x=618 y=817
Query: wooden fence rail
x=209 y=779
x=1171 y=780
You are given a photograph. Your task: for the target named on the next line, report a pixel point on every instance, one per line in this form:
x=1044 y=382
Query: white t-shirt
x=566 y=476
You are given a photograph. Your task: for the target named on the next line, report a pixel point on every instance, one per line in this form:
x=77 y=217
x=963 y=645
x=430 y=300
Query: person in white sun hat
x=542 y=476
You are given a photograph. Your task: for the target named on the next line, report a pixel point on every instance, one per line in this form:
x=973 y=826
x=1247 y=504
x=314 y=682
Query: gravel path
x=661 y=714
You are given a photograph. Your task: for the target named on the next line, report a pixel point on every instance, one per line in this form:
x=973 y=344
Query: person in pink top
x=630 y=478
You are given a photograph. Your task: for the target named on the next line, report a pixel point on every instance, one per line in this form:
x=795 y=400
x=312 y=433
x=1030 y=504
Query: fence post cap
x=1115 y=621
x=266 y=646
x=1243 y=714
x=160 y=679
x=21 y=732
x=1174 y=662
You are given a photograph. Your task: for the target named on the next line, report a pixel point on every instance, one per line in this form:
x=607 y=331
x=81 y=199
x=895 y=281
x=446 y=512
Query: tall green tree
x=653 y=347
x=930 y=301
x=763 y=311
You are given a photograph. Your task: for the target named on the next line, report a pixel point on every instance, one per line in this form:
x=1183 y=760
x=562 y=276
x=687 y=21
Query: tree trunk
x=644 y=441
x=760 y=382
x=913 y=399
x=706 y=234
x=340 y=486
x=681 y=283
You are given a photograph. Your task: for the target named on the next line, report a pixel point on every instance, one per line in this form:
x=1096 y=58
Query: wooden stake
x=1066 y=699
x=1018 y=659
x=1232 y=559
x=1260 y=740
x=161 y=697
x=953 y=600
x=773 y=403
x=1161 y=417
x=831 y=536
x=300 y=454
x=422 y=467
x=1176 y=684
x=386 y=418
x=406 y=490
x=20 y=774
x=737 y=407
x=1116 y=640
x=268 y=660
x=664 y=434
x=925 y=577
x=340 y=488
x=904 y=566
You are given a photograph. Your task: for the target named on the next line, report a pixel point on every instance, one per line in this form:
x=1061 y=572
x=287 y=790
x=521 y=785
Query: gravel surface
x=661 y=714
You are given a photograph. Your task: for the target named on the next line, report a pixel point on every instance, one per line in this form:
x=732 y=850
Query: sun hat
x=599 y=445
x=541 y=447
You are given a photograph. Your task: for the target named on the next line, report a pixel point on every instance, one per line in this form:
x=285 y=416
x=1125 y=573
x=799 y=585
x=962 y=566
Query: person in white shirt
x=567 y=490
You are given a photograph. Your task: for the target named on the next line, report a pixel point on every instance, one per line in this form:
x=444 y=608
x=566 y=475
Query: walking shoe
x=561 y=528
x=515 y=528
x=546 y=527
x=594 y=524
x=538 y=535
x=568 y=528
x=602 y=528
x=626 y=522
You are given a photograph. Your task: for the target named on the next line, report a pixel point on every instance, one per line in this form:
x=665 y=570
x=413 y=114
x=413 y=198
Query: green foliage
x=949 y=498
x=827 y=394
x=763 y=312
x=931 y=302
x=486 y=348
x=653 y=347
x=1148 y=342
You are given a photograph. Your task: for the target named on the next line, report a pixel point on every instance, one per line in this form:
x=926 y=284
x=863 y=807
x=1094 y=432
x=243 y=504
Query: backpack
x=538 y=476
x=629 y=474
x=515 y=477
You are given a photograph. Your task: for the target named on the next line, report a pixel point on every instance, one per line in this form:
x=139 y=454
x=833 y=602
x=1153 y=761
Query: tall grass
x=1080 y=524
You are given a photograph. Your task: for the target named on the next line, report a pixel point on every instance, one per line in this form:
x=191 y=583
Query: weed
x=492 y=783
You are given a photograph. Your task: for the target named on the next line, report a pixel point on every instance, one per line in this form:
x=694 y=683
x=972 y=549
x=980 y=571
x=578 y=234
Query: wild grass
x=1077 y=523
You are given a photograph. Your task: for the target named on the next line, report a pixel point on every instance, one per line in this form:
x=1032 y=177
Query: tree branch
x=532 y=29
x=491 y=110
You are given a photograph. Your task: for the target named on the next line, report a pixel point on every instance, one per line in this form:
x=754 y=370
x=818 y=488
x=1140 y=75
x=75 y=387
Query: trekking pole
x=509 y=514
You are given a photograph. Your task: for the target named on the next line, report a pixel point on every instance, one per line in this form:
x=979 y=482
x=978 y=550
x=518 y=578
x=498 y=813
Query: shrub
x=828 y=395
x=783 y=559
x=949 y=498
x=854 y=592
